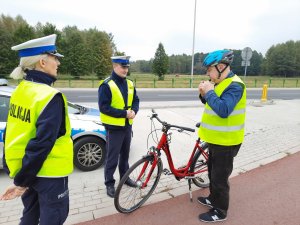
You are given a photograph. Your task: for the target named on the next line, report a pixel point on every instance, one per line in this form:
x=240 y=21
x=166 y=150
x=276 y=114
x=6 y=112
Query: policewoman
x=38 y=145
x=118 y=104
x=222 y=127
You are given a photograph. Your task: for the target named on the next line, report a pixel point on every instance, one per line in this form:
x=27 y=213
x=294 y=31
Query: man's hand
x=12 y=192
x=130 y=114
x=204 y=87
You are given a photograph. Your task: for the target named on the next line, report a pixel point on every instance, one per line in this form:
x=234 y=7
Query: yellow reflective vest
x=117 y=102
x=224 y=131
x=26 y=104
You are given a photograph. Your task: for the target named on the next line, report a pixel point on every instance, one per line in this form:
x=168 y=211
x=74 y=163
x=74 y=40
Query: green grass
x=173 y=81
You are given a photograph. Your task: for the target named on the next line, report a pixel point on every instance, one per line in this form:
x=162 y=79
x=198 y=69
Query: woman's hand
x=13 y=192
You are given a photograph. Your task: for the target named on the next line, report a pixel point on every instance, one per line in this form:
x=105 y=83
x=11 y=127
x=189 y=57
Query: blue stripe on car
x=100 y=131
x=77 y=131
x=1 y=135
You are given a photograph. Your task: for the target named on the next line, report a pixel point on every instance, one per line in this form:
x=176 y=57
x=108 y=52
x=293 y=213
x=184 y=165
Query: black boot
x=110 y=190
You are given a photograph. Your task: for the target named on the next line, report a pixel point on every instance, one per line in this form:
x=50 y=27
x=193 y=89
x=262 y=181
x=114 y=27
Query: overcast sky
x=139 y=25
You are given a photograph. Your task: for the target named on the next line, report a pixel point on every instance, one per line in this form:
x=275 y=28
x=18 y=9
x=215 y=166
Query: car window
x=4 y=106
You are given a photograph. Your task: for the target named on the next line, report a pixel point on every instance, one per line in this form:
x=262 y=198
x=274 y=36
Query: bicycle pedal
x=166 y=171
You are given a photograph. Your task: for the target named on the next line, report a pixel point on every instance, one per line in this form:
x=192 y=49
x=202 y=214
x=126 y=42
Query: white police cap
x=38 y=46
x=121 y=59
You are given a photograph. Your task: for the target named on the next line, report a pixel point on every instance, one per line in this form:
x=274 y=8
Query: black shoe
x=110 y=191
x=130 y=183
x=212 y=215
x=204 y=201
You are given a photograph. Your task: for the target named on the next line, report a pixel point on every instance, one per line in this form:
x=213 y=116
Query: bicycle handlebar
x=154 y=115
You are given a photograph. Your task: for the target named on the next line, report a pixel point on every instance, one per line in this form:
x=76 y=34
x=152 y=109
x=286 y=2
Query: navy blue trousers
x=220 y=165
x=117 y=152
x=46 y=202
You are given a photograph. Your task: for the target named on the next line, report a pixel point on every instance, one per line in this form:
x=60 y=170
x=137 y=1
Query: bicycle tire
x=200 y=163
x=127 y=199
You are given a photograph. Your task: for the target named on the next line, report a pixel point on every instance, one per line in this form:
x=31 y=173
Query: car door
x=4 y=106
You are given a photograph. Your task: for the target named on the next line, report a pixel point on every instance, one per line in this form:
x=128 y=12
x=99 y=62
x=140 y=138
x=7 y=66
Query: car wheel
x=89 y=153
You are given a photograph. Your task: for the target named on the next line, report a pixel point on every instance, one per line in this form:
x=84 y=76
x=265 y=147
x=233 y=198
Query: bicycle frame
x=179 y=173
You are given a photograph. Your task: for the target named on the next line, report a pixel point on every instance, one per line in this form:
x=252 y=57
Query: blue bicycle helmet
x=216 y=57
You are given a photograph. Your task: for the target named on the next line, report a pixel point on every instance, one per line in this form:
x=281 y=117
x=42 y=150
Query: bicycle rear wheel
x=200 y=164
x=127 y=199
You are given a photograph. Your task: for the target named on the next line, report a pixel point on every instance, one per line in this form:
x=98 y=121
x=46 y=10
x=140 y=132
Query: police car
x=88 y=133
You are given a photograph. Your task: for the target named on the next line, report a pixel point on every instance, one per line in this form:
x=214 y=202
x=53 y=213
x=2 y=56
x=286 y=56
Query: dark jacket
x=105 y=96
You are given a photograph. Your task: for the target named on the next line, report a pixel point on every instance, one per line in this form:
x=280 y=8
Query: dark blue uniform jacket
x=104 y=100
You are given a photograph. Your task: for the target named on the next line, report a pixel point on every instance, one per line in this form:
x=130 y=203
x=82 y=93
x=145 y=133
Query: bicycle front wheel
x=127 y=199
x=200 y=164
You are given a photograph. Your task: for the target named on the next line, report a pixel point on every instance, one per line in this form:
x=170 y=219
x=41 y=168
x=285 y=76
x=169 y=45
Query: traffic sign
x=246 y=53
x=245 y=63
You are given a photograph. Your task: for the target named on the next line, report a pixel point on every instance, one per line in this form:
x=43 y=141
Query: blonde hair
x=26 y=63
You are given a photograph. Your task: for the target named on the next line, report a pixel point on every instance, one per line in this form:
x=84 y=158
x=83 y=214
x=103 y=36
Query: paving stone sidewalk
x=272 y=133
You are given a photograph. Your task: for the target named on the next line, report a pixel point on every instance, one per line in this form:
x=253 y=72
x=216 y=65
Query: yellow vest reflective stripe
x=224 y=131
x=117 y=102
x=26 y=104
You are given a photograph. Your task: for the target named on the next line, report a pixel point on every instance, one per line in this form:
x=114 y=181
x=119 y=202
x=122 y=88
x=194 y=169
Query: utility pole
x=192 y=68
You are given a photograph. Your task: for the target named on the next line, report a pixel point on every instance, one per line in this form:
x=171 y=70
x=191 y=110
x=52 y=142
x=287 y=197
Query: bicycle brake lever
x=153 y=115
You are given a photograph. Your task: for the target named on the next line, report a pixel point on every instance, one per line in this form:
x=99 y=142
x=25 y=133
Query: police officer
x=222 y=127
x=118 y=104
x=38 y=145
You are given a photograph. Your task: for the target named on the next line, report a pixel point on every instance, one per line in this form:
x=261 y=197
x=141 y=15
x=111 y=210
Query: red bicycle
x=146 y=172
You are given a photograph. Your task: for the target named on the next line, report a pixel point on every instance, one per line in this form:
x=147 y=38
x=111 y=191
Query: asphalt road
x=153 y=95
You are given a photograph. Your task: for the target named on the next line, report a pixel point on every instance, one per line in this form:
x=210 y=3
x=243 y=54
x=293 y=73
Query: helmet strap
x=220 y=72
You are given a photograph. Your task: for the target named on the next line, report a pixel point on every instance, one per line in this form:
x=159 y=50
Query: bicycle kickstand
x=190 y=189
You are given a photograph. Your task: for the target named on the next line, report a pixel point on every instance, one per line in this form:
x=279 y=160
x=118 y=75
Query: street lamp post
x=192 y=68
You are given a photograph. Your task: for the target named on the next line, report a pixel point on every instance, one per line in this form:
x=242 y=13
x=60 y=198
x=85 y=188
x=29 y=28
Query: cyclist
x=222 y=127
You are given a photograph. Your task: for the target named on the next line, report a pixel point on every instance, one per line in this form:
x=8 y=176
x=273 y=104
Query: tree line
x=88 y=53
x=281 y=60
